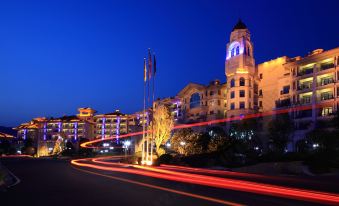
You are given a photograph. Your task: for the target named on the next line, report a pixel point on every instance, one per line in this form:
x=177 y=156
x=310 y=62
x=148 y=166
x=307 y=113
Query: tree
x=57 y=146
x=43 y=150
x=218 y=139
x=162 y=124
x=279 y=130
x=187 y=142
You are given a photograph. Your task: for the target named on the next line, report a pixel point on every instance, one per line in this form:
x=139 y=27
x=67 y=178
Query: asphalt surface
x=56 y=182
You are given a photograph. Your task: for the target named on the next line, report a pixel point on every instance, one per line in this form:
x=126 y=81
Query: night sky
x=57 y=56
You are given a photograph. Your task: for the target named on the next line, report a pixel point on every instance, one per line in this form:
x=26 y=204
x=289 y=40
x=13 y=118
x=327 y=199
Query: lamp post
x=127 y=143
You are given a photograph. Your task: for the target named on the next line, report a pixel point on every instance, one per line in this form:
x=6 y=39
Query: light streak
x=211 y=199
x=224 y=183
x=217 y=121
x=15 y=156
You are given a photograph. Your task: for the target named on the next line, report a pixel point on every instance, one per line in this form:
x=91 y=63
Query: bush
x=165 y=159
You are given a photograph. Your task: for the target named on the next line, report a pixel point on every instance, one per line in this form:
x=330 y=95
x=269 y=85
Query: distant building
x=111 y=124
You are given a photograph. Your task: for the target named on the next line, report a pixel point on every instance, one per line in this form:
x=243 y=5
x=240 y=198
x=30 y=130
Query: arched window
x=194 y=100
x=242 y=81
x=248 y=51
x=232 y=83
x=232 y=52
x=237 y=50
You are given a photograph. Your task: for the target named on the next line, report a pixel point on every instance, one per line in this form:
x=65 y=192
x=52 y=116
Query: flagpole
x=144 y=115
x=154 y=67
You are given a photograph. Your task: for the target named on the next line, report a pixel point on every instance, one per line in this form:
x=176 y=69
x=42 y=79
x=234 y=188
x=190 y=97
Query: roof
x=239 y=25
x=4 y=135
x=191 y=86
x=116 y=112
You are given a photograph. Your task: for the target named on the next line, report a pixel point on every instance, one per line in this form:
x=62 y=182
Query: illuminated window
x=242 y=81
x=242 y=105
x=237 y=50
x=242 y=93
x=232 y=83
x=232 y=52
x=194 y=100
x=326 y=111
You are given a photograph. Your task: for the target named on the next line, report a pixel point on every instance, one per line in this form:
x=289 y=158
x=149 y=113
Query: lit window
x=237 y=50
x=232 y=52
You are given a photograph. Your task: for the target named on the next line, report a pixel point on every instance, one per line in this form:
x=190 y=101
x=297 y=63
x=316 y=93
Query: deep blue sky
x=56 y=56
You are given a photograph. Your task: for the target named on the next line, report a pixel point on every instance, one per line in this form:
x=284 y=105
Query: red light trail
x=181 y=126
x=217 y=182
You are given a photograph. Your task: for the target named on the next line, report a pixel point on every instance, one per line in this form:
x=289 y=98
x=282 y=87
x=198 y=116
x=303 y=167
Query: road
x=57 y=182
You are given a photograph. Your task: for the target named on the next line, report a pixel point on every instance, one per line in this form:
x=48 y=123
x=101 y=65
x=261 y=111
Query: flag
x=145 y=70
x=154 y=65
x=149 y=64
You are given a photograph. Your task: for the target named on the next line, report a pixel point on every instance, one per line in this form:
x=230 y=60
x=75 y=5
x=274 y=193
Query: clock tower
x=241 y=73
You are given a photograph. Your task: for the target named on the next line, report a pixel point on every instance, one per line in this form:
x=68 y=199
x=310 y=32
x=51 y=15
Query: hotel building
x=281 y=83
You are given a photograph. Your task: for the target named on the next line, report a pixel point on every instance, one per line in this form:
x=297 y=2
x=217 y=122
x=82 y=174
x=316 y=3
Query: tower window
x=232 y=83
x=237 y=50
x=242 y=93
x=260 y=76
x=232 y=52
x=242 y=81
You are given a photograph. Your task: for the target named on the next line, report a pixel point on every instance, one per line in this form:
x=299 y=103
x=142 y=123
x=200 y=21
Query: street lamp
x=182 y=143
x=127 y=143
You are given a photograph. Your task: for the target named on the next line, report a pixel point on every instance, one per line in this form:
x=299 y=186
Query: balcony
x=303 y=114
x=324 y=82
x=283 y=103
x=304 y=86
x=305 y=100
x=305 y=71
x=326 y=66
x=325 y=96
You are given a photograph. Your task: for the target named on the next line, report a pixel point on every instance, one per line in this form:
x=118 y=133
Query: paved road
x=56 y=182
